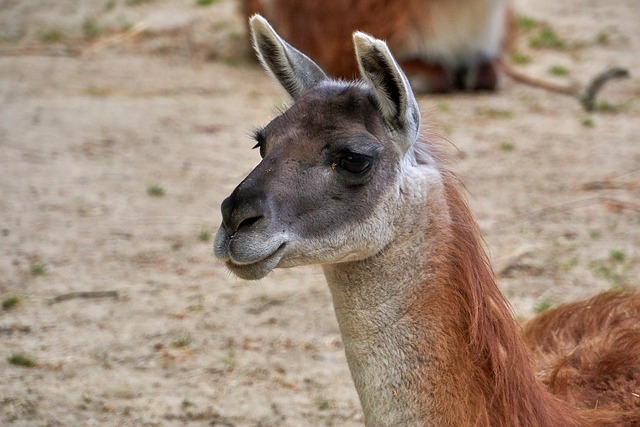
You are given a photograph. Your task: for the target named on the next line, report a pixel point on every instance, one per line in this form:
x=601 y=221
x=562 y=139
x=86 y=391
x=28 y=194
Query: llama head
x=335 y=165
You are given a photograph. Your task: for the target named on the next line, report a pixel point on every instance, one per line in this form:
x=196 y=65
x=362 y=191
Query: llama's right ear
x=391 y=88
x=293 y=69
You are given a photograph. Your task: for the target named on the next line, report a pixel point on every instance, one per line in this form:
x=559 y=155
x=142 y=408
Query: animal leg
x=428 y=77
x=480 y=77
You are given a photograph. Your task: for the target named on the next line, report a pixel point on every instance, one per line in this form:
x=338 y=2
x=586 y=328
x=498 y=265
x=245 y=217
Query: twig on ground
x=117 y=38
x=566 y=89
x=587 y=100
x=40 y=50
x=10 y=330
x=608 y=185
x=84 y=294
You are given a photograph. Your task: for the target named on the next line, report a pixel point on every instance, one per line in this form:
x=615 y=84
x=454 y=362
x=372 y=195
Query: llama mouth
x=250 y=256
x=256 y=270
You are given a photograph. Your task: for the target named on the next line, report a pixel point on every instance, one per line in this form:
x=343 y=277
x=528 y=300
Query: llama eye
x=355 y=163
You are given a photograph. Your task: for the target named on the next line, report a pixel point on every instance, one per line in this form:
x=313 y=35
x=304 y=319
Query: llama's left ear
x=293 y=69
x=390 y=85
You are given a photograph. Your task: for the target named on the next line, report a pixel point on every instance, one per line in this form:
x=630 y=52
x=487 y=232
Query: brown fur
x=322 y=29
x=587 y=354
x=497 y=367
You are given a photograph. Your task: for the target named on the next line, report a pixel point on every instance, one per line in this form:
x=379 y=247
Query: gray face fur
x=329 y=186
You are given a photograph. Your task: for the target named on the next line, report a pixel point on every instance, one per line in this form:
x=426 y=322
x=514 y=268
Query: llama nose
x=240 y=215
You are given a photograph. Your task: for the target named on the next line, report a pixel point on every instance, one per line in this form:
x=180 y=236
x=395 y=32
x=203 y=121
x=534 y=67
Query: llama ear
x=293 y=69
x=390 y=86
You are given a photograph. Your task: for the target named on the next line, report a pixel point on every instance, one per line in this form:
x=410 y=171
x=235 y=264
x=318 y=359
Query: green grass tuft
x=322 y=403
x=542 y=305
x=494 y=113
x=51 y=36
x=21 y=360
x=10 y=302
x=156 y=190
x=507 y=146
x=183 y=339
x=558 y=70
x=526 y=23
x=138 y=2
x=91 y=28
x=38 y=268
x=520 y=58
x=547 y=38
x=588 y=123
x=617 y=255
x=204 y=236
x=602 y=38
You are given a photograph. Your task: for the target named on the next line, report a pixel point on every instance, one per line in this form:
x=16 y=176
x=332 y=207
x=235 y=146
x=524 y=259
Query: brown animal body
x=442 y=45
x=429 y=338
x=585 y=353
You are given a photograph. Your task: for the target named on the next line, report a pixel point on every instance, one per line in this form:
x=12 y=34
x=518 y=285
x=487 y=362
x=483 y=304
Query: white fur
x=371 y=297
x=455 y=29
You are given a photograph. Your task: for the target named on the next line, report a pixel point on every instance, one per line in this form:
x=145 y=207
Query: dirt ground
x=125 y=123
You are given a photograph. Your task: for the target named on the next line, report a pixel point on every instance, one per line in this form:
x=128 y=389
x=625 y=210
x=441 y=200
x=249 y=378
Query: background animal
x=442 y=45
x=429 y=338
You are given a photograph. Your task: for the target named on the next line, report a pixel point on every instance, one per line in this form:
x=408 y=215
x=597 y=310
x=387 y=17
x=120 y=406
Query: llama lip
x=257 y=269
x=245 y=249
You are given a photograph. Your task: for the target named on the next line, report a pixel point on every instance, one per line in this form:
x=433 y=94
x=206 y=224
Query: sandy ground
x=124 y=124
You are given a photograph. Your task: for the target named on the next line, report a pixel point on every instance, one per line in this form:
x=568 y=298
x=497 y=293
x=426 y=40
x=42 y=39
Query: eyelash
x=261 y=142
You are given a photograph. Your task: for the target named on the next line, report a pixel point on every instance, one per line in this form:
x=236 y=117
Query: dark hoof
x=486 y=76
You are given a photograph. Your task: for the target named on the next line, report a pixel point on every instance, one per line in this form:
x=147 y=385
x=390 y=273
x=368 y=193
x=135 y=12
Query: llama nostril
x=248 y=222
x=237 y=214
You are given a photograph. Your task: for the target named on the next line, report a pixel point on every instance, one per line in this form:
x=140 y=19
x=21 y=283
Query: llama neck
x=429 y=337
